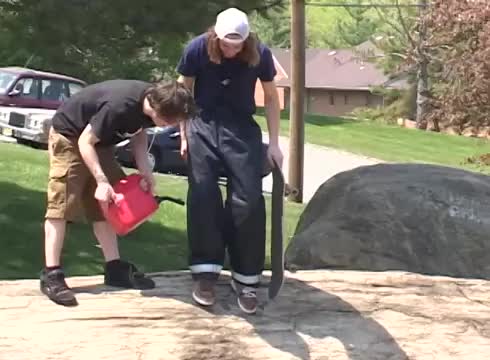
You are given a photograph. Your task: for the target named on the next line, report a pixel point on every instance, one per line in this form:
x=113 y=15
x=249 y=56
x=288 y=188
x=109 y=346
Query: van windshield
x=6 y=79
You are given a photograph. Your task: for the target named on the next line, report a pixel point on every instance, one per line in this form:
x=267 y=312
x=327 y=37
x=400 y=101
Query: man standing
x=222 y=67
x=83 y=168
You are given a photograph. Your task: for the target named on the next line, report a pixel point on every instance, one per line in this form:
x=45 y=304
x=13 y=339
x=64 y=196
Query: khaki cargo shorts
x=71 y=186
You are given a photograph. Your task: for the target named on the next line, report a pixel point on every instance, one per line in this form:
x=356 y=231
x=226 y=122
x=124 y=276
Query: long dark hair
x=172 y=99
x=249 y=53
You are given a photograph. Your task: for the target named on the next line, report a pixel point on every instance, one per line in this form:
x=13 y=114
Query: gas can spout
x=160 y=199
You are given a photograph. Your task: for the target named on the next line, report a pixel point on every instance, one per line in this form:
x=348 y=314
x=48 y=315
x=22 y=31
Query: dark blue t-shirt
x=230 y=84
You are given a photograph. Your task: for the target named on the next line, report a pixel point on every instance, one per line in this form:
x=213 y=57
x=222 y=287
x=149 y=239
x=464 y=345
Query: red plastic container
x=132 y=207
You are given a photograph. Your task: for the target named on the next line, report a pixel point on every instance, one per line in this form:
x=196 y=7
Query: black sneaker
x=203 y=292
x=246 y=297
x=54 y=286
x=125 y=275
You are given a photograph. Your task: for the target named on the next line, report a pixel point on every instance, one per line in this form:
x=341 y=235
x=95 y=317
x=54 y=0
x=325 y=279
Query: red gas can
x=132 y=207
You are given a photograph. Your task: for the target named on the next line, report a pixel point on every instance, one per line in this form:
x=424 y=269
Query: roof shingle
x=333 y=69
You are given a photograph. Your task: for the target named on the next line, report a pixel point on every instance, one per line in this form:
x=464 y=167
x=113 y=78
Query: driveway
x=320 y=164
x=8 y=139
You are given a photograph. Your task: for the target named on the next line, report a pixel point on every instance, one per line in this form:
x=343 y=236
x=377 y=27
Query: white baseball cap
x=232 y=22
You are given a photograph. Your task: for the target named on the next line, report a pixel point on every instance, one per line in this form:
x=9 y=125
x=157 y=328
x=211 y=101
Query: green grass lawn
x=158 y=245
x=390 y=143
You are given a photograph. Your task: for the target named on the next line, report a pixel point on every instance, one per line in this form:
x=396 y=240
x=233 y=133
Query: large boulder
x=409 y=217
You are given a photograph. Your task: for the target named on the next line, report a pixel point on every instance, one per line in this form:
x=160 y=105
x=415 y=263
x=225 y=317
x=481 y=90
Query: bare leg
x=54 y=230
x=107 y=239
x=118 y=273
x=53 y=283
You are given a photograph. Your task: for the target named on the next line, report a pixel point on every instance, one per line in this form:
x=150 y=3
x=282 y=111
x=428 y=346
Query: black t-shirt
x=113 y=108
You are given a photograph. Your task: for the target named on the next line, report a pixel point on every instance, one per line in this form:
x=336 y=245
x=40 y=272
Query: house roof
x=336 y=69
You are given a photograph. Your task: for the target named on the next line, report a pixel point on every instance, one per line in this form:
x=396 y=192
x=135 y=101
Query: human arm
x=272 y=113
x=86 y=144
x=267 y=73
x=188 y=81
x=188 y=67
x=139 y=146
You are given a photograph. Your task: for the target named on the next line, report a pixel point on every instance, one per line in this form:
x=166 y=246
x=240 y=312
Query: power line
x=365 y=5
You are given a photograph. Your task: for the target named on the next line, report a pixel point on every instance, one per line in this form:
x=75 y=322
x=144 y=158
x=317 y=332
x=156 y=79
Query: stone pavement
x=320 y=315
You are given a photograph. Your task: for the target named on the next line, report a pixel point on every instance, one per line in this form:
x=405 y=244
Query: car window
x=28 y=87
x=6 y=80
x=54 y=90
x=74 y=88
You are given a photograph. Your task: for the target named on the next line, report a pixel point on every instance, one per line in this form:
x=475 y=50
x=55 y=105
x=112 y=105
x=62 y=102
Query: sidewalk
x=320 y=164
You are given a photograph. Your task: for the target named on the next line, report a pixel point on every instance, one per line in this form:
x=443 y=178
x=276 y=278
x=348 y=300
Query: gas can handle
x=118 y=198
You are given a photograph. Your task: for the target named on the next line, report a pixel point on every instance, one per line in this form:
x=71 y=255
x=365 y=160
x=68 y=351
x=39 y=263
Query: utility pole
x=297 y=100
x=422 y=73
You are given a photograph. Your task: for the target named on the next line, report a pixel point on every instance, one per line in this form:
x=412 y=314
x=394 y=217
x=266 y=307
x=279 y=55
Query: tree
x=100 y=39
x=458 y=51
x=273 y=26
x=392 y=30
x=359 y=26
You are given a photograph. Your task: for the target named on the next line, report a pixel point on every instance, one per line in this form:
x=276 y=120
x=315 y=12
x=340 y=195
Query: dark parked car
x=164 y=152
x=28 y=100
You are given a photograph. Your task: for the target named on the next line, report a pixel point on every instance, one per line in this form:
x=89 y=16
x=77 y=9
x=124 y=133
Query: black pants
x=233 y=147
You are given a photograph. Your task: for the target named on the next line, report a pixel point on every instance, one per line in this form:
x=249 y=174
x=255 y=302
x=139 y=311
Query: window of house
x=332 y=99
x=346 y=99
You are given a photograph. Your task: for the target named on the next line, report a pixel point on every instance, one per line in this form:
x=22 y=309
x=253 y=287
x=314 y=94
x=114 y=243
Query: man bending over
x=83 y=168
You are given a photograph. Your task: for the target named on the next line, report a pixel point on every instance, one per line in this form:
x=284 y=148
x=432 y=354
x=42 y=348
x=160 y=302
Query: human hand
x=104 y=192
x=148 y=182
x=183 y=149
x=274 y=154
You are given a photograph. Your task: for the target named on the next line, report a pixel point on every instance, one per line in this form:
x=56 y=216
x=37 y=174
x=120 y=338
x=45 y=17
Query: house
x=336 y=81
